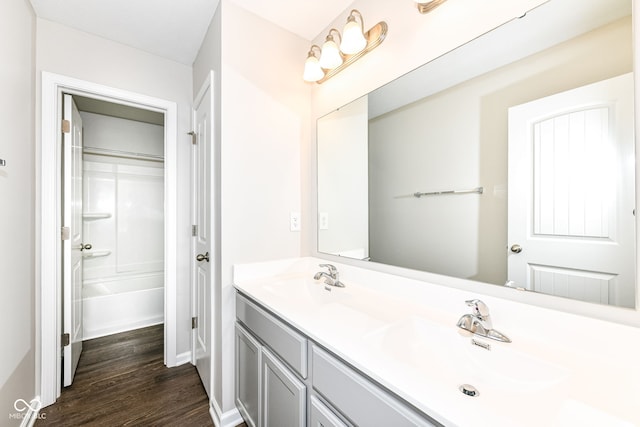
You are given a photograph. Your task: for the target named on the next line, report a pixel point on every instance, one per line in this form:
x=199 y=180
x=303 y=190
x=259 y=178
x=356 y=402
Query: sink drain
x=469 y=390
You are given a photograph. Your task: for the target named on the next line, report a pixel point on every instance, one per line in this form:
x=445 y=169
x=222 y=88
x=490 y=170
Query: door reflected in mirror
x=541 y=122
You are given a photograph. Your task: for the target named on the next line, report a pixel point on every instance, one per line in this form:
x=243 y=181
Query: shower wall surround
x=123 y=208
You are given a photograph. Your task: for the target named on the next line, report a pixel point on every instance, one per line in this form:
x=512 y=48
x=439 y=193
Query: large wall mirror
x=508 y=161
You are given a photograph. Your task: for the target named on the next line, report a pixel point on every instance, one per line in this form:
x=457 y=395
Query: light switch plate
x=294 y=221
x=323 y=221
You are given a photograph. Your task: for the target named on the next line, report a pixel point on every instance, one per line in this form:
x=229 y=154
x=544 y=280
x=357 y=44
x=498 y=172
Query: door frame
x=48 y=221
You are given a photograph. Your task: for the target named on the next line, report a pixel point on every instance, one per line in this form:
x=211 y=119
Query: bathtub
x=122 y=304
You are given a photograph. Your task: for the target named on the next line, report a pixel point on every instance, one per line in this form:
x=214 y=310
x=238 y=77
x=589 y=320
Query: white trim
x=183 y=358
x=208 y=83
x=227 y=419
x=32 y=414
x=118 y=328
x=48 y=229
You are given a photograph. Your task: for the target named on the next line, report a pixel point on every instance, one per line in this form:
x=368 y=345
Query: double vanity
x=387 y=350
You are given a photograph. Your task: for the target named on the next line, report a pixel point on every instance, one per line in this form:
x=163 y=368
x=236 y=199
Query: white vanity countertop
x=560 y=369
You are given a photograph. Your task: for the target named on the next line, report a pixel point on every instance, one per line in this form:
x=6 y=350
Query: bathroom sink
x=441 y=353
x=302 y=290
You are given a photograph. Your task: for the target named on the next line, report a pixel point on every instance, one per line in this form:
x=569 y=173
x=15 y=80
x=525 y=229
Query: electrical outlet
x=323 y=221
x=294 y=221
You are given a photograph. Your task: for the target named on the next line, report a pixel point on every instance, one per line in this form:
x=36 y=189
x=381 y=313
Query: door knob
x=204 y=257
x=87 y=246
x=516 y=249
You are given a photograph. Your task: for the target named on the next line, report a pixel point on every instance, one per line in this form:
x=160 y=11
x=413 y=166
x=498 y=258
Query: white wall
x=63 y=50
x=114 y=133
x=17 y=224
x=264 y=107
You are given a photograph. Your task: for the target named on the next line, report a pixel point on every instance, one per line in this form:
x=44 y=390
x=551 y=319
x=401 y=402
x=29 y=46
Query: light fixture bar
x=428 y=6
x=375 y=36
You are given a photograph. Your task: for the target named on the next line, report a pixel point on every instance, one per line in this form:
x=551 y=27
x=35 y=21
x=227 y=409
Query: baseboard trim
x=183 y=358
x=230 y=418
x=30 y=417
x=90 y=334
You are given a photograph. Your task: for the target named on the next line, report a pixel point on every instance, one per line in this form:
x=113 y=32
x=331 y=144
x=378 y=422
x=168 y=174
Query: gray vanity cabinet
x=283 y=395
x=271 y=364
x=248 y=362
x=268 y=394
x=283 y=379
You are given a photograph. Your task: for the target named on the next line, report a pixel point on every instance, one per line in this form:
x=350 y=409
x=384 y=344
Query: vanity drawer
x=359 y=399
x=321 y=416
x=284 y=341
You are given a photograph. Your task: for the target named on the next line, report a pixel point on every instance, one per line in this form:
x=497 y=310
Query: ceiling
x=175 y=29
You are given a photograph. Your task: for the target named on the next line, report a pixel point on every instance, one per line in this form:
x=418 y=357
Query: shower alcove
x=123 y=222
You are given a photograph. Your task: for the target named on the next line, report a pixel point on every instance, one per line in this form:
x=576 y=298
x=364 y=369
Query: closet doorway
x=51 y=230
x=116 y=283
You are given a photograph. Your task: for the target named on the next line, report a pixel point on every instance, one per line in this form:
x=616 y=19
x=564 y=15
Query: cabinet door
x=322 y=416
x=283 y=395
x=248 y=357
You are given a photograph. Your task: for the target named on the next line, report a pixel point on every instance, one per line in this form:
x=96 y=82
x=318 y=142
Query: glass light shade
x=312 y=70
x=330 y=57
x=353 y=40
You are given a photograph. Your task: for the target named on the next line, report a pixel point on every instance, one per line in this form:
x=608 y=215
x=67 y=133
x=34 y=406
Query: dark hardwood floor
x=121 y=381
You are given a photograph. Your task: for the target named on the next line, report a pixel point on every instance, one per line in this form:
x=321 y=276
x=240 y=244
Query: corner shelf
x=89 y=216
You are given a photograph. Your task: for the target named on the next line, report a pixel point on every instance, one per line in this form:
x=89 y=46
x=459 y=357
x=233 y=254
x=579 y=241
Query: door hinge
x=64 y=233
x=194 y=322
x=194 y=137
x=66 y=126
x=65 y=340
x=194 y=230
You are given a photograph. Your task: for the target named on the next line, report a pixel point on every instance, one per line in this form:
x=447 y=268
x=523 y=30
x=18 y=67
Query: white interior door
x=73 y=246
x=571 y=193
x=202 y=238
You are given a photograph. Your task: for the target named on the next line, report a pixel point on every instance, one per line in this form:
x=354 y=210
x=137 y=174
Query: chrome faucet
x=331 y=278
x=479 y=322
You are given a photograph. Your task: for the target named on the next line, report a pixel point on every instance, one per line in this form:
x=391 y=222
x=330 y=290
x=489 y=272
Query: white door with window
x=72 y=245
x=571 y=224
x=202 y=248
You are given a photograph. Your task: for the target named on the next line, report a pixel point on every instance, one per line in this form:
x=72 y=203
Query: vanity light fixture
x=426 y=6
x=312 y=70
x=354 y=44
x=331 y=56
x=353 y=40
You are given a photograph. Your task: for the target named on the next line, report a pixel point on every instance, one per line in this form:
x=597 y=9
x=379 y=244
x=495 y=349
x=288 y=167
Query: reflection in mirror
x=509 y=160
